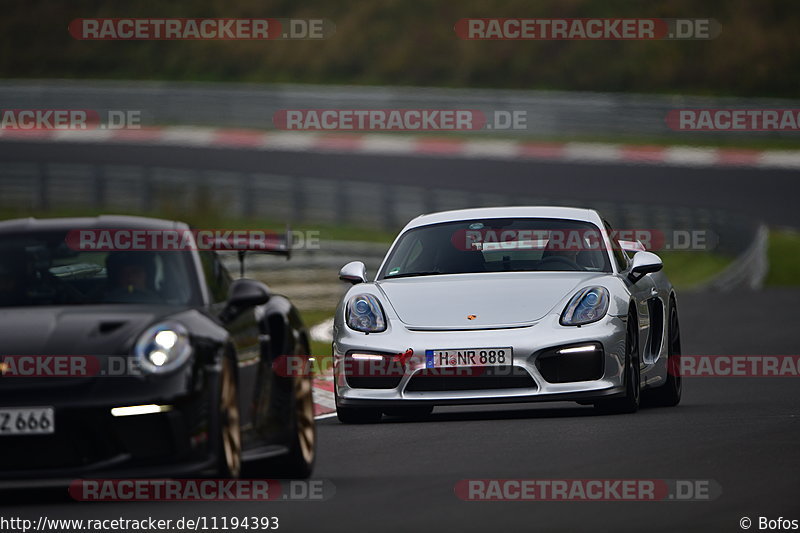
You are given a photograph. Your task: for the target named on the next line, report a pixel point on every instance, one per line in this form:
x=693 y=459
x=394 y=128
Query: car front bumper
x=90 y=442
x=414 y=384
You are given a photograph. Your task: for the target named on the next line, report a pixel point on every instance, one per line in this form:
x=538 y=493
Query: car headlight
x=587 y=306
x=163 y=347
x=364 y=313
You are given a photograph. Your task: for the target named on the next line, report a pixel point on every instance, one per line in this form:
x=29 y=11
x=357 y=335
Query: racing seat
x=589 y=259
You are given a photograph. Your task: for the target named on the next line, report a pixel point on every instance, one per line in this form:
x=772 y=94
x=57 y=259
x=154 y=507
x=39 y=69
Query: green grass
x=205 y=216
x=312 y=318
x=413 y=43
x=684 y=268
x=689 y=269
x=784 y=258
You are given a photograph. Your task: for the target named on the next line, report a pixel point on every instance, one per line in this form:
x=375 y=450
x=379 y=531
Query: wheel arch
x=282 y=322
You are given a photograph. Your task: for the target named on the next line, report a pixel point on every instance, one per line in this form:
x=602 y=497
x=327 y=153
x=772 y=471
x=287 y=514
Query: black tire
x=413 y=411
x=629 y=403
x=669 y=394
x=299 y=462
x=229 y=436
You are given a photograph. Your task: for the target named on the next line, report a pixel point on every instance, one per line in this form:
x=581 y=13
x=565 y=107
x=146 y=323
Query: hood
x=503 y=299
x=74 y=330
x=97 y=330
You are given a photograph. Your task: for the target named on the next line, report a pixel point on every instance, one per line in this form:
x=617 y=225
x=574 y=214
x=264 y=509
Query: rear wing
x=275 y=244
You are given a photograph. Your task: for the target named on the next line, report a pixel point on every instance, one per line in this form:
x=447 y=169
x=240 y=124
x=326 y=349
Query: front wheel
x=229 y=458
x=299 y=463
x=633 y=387
x=669 y=394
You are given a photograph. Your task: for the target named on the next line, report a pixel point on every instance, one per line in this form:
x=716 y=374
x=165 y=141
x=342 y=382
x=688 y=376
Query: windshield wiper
x=412 y=274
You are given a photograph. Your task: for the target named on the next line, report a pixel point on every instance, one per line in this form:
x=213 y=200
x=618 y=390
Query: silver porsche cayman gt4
x=506 y=304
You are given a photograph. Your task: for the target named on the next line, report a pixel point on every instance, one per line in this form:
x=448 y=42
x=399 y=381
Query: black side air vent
x=109 y=326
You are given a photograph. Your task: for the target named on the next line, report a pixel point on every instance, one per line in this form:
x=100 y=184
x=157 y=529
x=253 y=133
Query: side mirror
x=644 y=263
x=354 y=272
x=244 y=294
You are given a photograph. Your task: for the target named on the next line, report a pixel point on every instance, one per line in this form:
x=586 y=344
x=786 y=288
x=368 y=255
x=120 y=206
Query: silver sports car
x=506 y=304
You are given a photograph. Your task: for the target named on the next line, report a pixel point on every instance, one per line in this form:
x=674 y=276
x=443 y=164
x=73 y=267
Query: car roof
x=569 y=213
x=30 y=225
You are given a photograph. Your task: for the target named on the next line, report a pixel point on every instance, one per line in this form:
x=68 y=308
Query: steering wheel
x=562 y=260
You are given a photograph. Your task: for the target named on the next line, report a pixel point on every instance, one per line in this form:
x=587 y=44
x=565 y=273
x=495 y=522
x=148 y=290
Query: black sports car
x=121 y=364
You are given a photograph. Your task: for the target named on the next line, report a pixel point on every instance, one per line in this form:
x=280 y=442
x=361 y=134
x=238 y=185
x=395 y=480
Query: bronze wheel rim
x=304 y=417
x=231 y=434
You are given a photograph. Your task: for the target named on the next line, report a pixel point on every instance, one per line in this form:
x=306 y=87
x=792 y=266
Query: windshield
x=498 y=245
x=40 y=269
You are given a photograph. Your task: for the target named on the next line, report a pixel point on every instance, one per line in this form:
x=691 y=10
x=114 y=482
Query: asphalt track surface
x=399 y=475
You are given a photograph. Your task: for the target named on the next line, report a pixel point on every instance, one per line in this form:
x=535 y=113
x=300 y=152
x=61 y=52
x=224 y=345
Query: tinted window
x=217 y=276
x=498 y=245
x=40 y=269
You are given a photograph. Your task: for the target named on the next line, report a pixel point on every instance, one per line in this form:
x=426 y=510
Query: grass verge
x=690 y=269
x=784 y=258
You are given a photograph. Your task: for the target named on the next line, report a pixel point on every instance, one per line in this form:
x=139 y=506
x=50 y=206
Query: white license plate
x=468 y=357
x=27 y=421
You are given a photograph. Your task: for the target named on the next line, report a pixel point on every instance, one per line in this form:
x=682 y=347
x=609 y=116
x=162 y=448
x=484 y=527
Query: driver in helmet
x=131 y=276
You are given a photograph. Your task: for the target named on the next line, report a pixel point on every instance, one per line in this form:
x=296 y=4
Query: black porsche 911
x=195 y=395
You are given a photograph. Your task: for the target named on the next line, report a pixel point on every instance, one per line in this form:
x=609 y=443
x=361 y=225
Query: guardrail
x=320 y=200
x=748 y=270
x=311 y=200
x=549 y=113
x=316 y=200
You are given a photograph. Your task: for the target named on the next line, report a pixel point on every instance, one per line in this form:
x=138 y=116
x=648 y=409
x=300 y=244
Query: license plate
x=468 y=357
x=27 y=421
